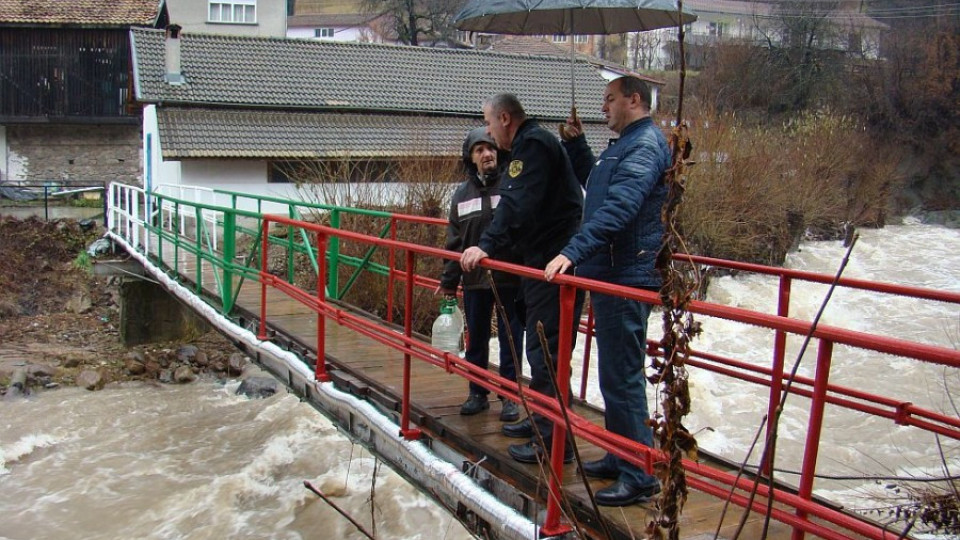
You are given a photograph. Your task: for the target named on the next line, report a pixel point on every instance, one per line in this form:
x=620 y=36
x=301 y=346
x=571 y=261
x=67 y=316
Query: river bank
x=59 y=322
x=141 y=459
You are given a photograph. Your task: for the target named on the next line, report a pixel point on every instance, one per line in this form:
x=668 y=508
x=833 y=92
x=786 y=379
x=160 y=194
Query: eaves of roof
x=234 y=134
x=274 y=73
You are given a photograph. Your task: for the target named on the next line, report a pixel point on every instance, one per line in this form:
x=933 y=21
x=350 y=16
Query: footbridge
x=283 y=279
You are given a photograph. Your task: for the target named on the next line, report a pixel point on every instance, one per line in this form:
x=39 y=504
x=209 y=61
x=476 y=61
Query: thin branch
x=545 y=472
x=308 y=485
x=743 y=466
x=768 y=454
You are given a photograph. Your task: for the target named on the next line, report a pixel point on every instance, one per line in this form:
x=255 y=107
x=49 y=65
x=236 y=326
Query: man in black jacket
x=539 y=211
x=471 y=210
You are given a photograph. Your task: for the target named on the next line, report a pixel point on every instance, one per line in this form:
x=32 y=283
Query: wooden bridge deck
x=373 y=371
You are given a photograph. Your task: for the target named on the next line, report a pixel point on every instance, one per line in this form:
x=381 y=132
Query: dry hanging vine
x=679 y=328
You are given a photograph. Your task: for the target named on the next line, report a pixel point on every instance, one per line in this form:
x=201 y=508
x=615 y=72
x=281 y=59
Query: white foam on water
x=196 y=462
x=851 y=443
x=23 y=447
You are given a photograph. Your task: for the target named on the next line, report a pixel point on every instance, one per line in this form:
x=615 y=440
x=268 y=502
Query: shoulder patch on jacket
x=516 y=167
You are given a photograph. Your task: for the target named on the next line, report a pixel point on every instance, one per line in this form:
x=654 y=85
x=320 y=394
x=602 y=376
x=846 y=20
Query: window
x=237 y=11
x=716 y=29
x=323 y=32
x=559 y=38
x=580 y=39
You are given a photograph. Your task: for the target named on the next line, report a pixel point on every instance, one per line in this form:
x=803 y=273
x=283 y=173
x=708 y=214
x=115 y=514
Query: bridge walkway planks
x=374 y=371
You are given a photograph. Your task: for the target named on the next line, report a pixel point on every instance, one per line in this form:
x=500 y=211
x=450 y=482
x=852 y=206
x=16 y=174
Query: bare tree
x=645 y=49
x=416 y=21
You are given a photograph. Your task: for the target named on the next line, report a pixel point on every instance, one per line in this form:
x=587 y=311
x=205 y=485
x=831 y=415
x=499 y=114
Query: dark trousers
x=542 y=300
x=621 y=329
x=479 y=305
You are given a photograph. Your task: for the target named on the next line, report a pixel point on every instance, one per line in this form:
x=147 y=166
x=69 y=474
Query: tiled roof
x=305 y=7
x=80 y=12
x=218 y=133
x=337 y=20
x=340 y=76
x=543 y=46
x=537 y=45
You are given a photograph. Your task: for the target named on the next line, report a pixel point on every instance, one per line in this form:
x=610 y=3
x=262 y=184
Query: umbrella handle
x=573 y=60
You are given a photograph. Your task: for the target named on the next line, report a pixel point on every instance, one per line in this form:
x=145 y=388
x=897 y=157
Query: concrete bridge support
x=149 y=313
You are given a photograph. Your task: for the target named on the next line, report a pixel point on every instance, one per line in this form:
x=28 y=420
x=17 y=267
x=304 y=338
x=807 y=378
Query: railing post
x=142 y=230
x=132 y=228
x=177 y=234
x=551 y=524
x=198 y=246
x=291 y=253
x=776 y=376
x=391 y=267
x=585 y=372
x=333 y=280
x=229 y=253
x=405 y=431
x=814 y=427
x=321 y=370
x=264 y=247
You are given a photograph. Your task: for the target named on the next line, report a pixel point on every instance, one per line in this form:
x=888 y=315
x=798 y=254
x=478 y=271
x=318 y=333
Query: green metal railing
x=219 y=234
x=296 y=209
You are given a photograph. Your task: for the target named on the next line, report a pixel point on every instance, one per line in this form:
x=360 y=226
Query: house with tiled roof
x=65 y=79
x=361 y=27
x=550 y=46
x=843 y=26
x=235 y=110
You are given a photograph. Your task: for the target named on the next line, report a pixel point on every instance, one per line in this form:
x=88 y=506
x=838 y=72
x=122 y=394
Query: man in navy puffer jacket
x=618 y=241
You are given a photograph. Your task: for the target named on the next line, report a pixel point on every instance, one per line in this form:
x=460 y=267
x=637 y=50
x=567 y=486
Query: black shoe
x=520 y=430
x=474 y=404
x=509 y=412
x=532 y=453
x=621 y=494
x=599 y=469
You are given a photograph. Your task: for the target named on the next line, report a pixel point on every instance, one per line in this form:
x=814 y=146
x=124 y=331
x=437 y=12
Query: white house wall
x=339 y=34
x=193 y=15
x=241 y=175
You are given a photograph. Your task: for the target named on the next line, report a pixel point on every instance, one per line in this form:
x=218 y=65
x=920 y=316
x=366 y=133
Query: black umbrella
x=570 y=17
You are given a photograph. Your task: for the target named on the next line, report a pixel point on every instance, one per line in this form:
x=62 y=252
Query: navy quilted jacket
x=621 y=230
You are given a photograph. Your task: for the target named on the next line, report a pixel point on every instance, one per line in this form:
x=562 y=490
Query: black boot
x=520 y=430
x=474 y=404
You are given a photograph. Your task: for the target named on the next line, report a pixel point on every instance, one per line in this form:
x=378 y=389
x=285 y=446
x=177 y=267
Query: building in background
x=358 y=27
x=841 y=27
x=262 y=18
x=66 y=113
x=250 y=114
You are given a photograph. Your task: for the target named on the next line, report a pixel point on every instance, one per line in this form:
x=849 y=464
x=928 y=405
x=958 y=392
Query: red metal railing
x=700 y=477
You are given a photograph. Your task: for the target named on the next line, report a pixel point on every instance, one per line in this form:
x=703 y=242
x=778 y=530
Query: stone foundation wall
x=74 y=153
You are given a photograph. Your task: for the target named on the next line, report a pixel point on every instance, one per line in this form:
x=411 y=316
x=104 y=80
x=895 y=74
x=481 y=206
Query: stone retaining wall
x=73 y=153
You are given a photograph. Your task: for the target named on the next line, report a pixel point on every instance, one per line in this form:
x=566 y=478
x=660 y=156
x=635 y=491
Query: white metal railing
x=196 y=194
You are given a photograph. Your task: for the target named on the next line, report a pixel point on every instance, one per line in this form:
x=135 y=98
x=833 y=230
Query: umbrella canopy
x=569 y=17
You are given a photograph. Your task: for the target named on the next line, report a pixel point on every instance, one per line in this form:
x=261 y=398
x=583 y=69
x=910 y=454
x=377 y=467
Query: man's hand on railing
x=471 y=258
x=558 y=265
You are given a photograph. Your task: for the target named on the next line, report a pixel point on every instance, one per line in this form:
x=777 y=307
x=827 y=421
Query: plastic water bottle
x=446 y=333
x=458 y=320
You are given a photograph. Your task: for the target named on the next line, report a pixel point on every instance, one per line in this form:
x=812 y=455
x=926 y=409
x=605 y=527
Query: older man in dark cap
x=471 y=210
